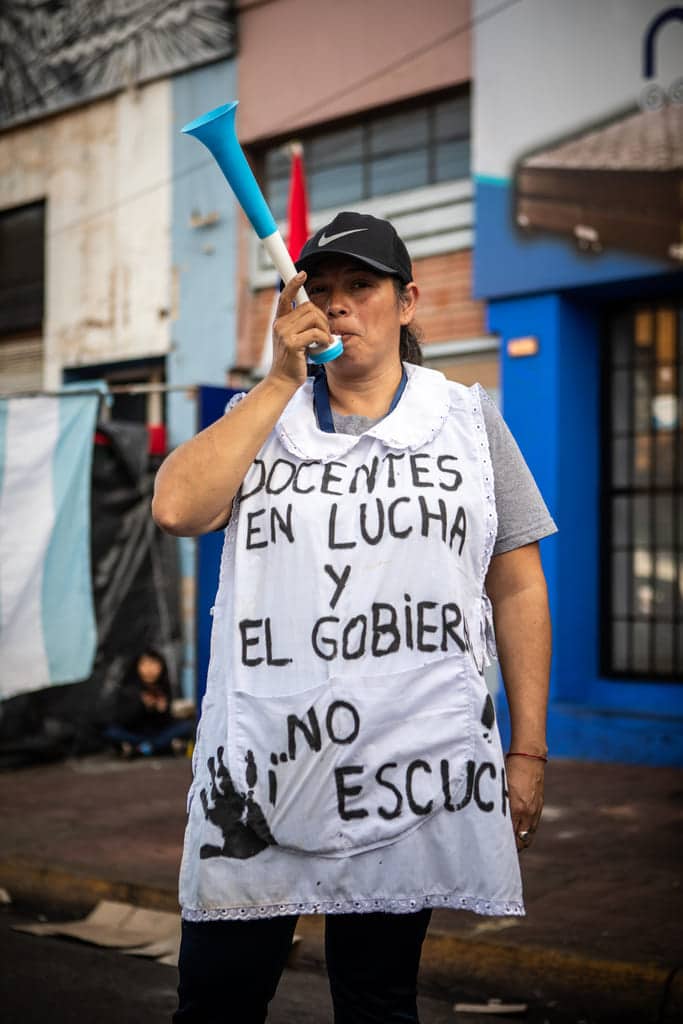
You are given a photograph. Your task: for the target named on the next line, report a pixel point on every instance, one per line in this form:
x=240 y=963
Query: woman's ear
x=408 y=297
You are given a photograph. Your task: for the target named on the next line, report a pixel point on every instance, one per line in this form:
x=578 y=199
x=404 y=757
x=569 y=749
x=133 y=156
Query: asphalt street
x=602 y=884
x=61 y=981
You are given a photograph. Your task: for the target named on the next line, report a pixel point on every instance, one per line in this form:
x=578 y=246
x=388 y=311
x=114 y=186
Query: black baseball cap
x=359 y=235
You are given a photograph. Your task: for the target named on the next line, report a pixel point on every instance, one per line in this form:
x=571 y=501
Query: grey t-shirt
x=523 y=517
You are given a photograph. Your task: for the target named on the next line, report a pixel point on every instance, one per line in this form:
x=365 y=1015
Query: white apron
x=348 y=757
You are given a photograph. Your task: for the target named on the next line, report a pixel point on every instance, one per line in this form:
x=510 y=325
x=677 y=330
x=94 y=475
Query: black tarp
x=136 y=595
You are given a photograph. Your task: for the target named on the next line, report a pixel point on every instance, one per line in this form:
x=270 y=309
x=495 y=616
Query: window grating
x=22 y=268
x=642 y=486
x=378 y=156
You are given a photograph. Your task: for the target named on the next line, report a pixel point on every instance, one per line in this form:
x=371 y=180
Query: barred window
x=376 y=156
x=136 y=388
x=22 y=268
x=642 y=485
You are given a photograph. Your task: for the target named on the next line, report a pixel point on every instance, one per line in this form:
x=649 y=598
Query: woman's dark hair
x=410 y=349
x=163 y=683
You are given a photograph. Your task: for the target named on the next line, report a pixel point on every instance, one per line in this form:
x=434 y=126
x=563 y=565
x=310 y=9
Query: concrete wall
x=140 y=246
x=104 y=171
x=571 y=68
x=571 y=64
x=309 y=61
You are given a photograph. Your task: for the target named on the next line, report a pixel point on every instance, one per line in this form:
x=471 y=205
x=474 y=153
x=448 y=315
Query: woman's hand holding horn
x=293 y=331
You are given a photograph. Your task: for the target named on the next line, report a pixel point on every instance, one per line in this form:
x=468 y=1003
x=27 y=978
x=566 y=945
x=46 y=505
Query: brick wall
x=446 y=310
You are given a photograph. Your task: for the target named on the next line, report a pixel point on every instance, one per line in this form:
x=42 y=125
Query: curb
x=602 y=990
x=609 y=990
x=33 y=883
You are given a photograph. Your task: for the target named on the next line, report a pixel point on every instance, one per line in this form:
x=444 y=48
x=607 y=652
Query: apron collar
x=416 y=417
x=321 y=400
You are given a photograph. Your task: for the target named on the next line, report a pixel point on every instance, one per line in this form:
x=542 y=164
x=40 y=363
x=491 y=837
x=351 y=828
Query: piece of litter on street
x=492 y=1006
x=168 y=945
x=622 y=812
x=116 y=925
x=133 y=930
x=552 y=813
x=169 y=961
x=496 y=925
x=294 y=950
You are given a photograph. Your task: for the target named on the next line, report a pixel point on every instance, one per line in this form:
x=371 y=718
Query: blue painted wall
x=530 y=388
x=551 y=402
x=204 y=259
x=508 y=262
x=204 y=264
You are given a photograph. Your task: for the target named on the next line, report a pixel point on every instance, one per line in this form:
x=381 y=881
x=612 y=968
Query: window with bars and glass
x=377 y=156
x=22 y=268
x=22 y=297
x=642 y=494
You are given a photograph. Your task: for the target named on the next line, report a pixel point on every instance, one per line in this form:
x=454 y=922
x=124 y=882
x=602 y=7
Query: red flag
x=297 y=206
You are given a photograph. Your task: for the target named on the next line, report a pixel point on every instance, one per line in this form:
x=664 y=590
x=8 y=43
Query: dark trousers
x=158 y=742
x=229 y=970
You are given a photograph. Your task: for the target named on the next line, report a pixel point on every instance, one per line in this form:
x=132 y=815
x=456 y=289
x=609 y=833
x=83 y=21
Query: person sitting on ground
x=144 y=723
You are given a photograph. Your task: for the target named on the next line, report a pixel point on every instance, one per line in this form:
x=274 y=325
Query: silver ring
x=524 y=835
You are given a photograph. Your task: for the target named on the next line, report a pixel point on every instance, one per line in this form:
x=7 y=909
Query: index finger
x=288 y=293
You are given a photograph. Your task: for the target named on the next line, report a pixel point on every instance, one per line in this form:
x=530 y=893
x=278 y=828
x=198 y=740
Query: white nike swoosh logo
x=323 y=241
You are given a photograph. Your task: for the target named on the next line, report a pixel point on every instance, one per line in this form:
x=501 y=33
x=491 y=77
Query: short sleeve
x=234 y=400
x=523 y=516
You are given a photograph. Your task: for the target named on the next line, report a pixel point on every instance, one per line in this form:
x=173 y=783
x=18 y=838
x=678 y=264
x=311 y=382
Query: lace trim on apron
x=487 y=635
x=490 y=908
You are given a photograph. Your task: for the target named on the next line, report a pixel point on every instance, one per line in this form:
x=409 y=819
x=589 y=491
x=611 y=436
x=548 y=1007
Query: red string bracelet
x=520 y=753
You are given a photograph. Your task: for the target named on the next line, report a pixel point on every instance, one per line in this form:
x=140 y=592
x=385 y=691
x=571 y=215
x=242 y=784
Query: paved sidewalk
x=602 y=882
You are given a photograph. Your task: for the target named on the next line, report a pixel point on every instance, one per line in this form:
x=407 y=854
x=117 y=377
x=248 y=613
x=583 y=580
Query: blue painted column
x=578 y=430
x=204 y=268
x=530 y=390
x=551 y=402
x=530 y=387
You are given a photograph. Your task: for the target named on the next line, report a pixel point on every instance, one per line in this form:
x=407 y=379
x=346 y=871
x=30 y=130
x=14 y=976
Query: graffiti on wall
x=56 y=54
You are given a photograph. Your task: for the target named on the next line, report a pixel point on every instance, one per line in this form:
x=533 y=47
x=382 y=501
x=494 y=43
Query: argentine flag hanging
x=47 y=621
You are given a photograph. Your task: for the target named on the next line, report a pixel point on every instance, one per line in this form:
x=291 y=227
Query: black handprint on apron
x=238 y=816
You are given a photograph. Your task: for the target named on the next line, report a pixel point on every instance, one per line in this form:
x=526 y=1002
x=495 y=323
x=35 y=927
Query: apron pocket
x=351 y=765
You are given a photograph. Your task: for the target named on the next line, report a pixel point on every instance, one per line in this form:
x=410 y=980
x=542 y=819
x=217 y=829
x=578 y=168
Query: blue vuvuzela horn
x=217 y=131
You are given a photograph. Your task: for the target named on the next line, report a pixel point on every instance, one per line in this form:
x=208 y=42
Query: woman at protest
x=380 y=521
x=144 y=723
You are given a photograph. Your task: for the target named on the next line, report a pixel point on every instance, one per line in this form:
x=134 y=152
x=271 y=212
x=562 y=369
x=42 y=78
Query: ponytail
x=410 y=349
